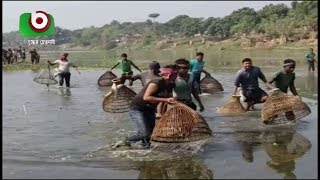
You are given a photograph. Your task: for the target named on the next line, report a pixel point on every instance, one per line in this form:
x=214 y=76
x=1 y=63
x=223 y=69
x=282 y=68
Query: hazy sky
x=78 y=14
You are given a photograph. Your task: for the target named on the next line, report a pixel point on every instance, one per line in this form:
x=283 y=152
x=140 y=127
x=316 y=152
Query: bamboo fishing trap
x=281 y=108
x=45 y=76
x=106 y=79
x=234 y=106
x=210 y=85
x=118 y=99
x=180 y=124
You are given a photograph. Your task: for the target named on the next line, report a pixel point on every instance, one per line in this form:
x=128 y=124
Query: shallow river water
x=63 y=133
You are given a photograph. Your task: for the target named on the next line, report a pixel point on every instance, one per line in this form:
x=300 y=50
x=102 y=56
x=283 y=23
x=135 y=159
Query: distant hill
x=272 y=24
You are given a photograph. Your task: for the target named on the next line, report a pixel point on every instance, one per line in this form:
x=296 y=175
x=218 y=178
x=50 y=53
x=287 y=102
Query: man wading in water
x=144 y=105
x=311 y=59
x=148 y=76
x=247 y=77
x=196 y=68
x=125 y=66
x=185 y=85
x=63 y=70
x=285 y=80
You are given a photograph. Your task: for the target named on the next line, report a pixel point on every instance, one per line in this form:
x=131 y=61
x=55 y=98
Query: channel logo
x=39 y=23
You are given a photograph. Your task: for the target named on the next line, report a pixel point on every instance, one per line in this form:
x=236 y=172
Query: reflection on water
x=65 y=91
x=178 y=169
x=283 y=149
x=310 y=84
x=247 y=153
x=307 y=85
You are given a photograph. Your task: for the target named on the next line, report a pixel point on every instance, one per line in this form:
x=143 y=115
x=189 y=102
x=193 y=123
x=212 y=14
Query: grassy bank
x=219 y=55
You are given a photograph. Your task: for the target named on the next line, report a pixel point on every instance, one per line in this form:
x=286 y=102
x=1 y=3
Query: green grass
x=215 y=58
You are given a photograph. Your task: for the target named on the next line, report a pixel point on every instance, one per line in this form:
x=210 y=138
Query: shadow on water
x=65 y=91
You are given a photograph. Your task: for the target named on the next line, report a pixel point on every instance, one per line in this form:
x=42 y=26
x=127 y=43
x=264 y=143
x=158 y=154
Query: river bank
x=223 y=54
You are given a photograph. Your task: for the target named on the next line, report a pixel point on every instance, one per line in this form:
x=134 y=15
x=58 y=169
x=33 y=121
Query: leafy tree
x=274 y=11
x=190 y=26
x=204 y=25
x=175 y=23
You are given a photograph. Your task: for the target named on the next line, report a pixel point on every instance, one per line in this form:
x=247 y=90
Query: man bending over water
x=247 y=78
x=125 y=66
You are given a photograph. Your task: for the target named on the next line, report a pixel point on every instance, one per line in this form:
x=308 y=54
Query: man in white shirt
x=63 y=70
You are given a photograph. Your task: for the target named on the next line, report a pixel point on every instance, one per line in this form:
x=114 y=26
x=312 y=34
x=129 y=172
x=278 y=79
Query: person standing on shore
x=35 y=57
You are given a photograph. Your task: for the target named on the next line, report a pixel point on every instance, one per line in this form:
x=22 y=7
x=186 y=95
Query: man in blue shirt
x=247 y=78
x=196 y=67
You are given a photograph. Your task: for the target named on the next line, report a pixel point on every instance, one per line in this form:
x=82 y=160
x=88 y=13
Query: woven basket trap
x=106 y=79
x=234 y=106
x=209 y=85
x=281 y=108
x=118 y=99
x=180 y=124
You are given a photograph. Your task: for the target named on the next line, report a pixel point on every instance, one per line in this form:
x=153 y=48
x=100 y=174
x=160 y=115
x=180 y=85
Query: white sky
x=79 y=14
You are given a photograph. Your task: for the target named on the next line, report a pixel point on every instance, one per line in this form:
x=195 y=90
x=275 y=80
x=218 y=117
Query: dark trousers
x=311 y=66
x=145 y=121
x=192 y=105
x=254 y=95
x=126 y=76
x=65 y=76
x=197 y=78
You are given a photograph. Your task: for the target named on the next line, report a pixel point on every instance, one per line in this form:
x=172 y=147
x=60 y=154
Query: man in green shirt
x=311 y=59
x=284 y=80
x=125 y=66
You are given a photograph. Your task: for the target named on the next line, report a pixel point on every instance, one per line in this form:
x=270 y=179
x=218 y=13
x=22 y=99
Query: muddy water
x=63 y=133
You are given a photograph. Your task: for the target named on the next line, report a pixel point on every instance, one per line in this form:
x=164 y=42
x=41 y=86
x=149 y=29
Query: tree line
x=296 y=22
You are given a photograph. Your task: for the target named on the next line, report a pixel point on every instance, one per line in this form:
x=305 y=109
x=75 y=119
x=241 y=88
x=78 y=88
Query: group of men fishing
x=180 y=81
x=19 y=55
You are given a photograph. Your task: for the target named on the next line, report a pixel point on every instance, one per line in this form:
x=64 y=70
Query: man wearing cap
x=151 y=74
x=63 y=70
